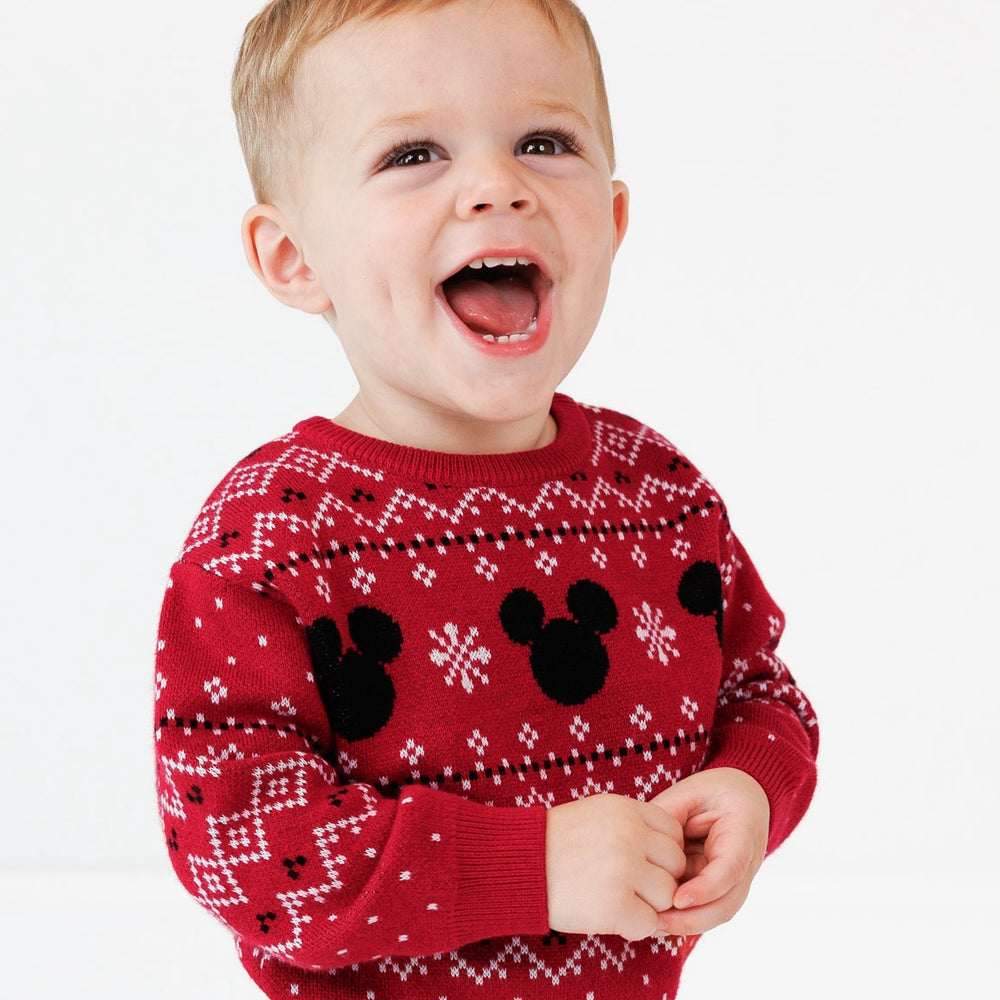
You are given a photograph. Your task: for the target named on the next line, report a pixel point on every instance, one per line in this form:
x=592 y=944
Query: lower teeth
x=514 y=338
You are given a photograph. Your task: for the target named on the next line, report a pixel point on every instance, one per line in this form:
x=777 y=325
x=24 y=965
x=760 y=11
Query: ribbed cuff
x=499 y=854
x=774 y=750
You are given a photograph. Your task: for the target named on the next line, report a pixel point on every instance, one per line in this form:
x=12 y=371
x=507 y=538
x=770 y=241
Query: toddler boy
x=470 y=691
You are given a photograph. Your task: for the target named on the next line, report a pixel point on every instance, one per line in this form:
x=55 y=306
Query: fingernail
x=681 y=902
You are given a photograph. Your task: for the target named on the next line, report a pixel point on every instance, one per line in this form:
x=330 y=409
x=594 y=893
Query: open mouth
x=497 y=298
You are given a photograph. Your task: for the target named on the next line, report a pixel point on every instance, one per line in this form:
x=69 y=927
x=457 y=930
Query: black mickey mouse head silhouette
x=357 y=692
x=700 y=592
x=568 y=659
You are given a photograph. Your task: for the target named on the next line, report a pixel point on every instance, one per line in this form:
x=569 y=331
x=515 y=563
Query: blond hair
x=276 y=39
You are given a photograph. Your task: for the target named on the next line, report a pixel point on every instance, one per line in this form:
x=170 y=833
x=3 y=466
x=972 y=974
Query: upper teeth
x=498 y=262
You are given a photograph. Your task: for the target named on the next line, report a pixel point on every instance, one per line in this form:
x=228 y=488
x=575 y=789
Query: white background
x=804 y=304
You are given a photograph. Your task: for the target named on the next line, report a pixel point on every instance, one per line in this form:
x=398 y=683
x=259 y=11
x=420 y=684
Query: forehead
x=459 y=55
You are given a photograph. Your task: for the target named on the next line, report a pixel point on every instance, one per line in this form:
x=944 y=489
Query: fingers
x=656 y=887
x=665 y=844
x=695 y=860
x=714 y=882
x=680 y=801
x=699 y=919
x=728 y=858
x=667 y=855
x=638 y=921
x=662 y=822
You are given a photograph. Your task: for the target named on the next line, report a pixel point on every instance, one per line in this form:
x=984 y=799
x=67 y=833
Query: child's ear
x=275 y=257
x=619 y=209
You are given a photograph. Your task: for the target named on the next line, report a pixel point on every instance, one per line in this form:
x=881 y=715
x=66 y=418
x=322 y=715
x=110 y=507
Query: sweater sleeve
x=764 y=725
x=262 y=829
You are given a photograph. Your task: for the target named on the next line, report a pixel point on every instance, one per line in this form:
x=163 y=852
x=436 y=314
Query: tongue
x=501 y=308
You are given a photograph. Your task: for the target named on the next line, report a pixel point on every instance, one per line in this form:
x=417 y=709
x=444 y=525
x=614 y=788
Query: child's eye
x=412 y=154
x=548 y=144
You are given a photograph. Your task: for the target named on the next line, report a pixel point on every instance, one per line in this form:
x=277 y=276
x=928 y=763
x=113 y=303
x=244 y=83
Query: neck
x=447 y=433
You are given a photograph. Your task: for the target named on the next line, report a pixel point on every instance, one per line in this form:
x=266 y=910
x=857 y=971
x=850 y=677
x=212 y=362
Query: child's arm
x=761 y=771
x=612 y=865
x=263 y=829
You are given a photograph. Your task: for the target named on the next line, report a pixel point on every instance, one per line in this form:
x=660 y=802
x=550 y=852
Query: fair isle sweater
x=377 y=668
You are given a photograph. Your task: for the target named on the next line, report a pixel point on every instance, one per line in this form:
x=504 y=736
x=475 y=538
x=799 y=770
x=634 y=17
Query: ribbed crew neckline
x=564 y=456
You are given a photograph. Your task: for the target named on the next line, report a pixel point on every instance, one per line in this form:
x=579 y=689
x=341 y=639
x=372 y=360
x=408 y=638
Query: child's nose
x=495 y=187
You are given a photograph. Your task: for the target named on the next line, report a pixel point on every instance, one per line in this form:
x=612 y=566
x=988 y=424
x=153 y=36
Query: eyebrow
x=415 y=120
x=391 y=124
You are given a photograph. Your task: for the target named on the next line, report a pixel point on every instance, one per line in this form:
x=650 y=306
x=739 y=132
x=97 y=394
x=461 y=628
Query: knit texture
x=378 y=667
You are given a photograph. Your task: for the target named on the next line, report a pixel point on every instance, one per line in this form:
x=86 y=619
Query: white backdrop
x=803 y=303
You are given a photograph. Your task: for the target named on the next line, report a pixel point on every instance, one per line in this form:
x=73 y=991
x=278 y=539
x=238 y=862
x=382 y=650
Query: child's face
x=440 y=139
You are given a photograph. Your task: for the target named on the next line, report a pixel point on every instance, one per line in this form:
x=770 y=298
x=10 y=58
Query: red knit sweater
x=377 y=667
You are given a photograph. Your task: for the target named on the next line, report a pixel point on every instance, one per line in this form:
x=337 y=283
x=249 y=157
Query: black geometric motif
x=700 y=592
x=292 y=866
x=195 y=795
x=291 y=494
x=264 y=919
x=568 y=659
x=224 y=540
x=357 y=692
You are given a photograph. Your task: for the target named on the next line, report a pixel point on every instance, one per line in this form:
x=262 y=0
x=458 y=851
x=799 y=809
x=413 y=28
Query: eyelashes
x=413 y=152
x=566 y=142
x=420 y=151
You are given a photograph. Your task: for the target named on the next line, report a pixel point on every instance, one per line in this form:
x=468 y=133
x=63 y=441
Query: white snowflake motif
x=681 y=549
x=363 y=581
x=347 y=763
x=579 y=728
x=161 y=684
x=528 y=736
x=599 y=559
x=283 y=707
x=323 y=588
x=487 y=569
x=216 y=690
x=639 y=556
x=689 y=708
x=460 y=656
x=653 y=631
x=546 y=563
x=424 y=575
x=411 y=753
x=478 y=742
x=641 y=717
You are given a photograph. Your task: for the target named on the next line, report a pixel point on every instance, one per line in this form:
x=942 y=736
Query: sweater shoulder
x=263 y=488
x=604 y=420
x=627 y=441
